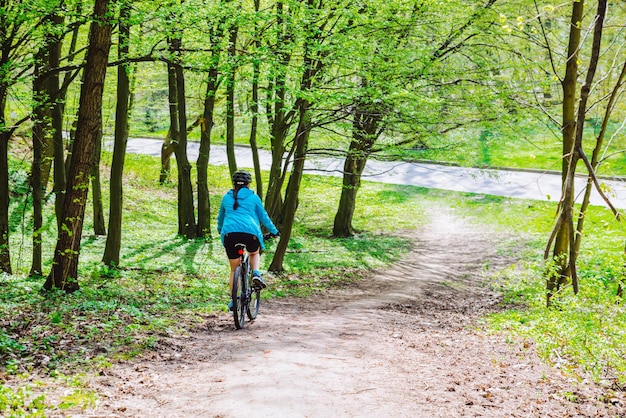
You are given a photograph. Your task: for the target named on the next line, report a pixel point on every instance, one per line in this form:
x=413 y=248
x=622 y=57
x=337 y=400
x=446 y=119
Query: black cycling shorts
x=234 y=238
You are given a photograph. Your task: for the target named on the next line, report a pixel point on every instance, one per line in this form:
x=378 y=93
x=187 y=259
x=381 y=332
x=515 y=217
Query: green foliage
x=522 y=145
x=21 y=402
x=582 y=334
x=18 y=182
x=165 y=284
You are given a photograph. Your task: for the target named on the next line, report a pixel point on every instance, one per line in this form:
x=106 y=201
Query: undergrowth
x=582 y=334
x=166 y=285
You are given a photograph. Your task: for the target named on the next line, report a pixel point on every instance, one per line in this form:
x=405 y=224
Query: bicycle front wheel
x=239 y=298
x=255 y=300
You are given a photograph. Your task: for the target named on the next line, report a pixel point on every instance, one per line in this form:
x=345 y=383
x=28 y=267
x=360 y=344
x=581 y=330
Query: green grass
x=584 y=334
x=166 y=285
x=162 y=272
x=519 y=146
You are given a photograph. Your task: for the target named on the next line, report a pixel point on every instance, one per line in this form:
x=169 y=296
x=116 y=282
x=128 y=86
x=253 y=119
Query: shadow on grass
x=178 y=253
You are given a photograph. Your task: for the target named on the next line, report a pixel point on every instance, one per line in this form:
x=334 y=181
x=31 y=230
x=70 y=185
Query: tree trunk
x=64 y=272
x=560 y=253
x=5 y=135
x=301 y=143
x=55 y=100
x=256 y=70
x=174 y=132
x=185 y=190
x=291 y=199
x=58 y=109
x=352 y=171
x=5 y=254
x=230 y=101
x=365 y=132
x=278 y=119
x=96 y=184
x=622 y=279
x=178 y=123
x=273 y=197
x=44 y=92
x=581 y=115
x=60 y=177
x=204 y=204
x=167 y=149
x=568 y=271
x=58 y=91
x=113 y=246
x=36 y=184
x=202 y=170
x=40 y=130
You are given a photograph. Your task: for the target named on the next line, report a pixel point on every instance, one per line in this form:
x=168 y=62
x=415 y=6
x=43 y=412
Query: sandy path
x=399 y=343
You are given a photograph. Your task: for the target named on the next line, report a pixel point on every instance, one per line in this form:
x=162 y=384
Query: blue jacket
x=248 y=217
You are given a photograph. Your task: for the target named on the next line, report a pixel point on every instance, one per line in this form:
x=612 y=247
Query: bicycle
x=246 y=297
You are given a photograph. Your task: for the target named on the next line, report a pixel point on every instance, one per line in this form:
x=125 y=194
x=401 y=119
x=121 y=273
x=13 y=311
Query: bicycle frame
x=244 y=259
x=246 y=298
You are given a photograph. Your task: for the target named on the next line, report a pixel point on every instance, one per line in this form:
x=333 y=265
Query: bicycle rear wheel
x=239 y=298
x=254 y=302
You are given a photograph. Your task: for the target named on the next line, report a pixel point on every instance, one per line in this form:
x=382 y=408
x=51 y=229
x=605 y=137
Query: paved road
x=516 y=184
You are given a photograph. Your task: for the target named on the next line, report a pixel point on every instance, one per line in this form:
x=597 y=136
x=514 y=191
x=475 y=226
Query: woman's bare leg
x=255 y=260
x=233 y=265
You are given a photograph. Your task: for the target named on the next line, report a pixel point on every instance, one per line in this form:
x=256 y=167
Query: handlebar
x=270 y=236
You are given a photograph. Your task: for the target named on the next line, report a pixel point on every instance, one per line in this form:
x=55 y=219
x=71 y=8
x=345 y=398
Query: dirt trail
x=399 y=343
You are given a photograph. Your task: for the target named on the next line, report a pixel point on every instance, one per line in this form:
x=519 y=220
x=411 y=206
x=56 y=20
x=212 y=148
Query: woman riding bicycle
x=239 y=222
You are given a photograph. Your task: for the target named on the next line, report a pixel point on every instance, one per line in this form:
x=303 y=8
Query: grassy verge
x=584 y=334
x=165 y=285
x=523 y=145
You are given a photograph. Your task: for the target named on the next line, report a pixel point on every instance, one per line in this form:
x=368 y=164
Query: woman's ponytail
x=235 y=190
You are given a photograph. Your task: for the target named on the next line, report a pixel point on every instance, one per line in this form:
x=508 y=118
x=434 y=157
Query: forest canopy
x=401 y=80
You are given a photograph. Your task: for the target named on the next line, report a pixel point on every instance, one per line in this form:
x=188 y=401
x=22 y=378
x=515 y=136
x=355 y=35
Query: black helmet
x=241 y=178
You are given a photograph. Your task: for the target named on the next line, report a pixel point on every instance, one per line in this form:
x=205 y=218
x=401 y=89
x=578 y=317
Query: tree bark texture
x=55 y=99
x=568 y=238
x=202 y=164
x=96 y=187
x=58 y=109
x=364 y=134
x=5 y=135
x=39 y=132
x=178 y=124
x=564 y=232
x=64 y=272
x=295 y=180
x=206 y=128
x=301 y=143
x=185 y=189
x=167 y=149
x=277 y=119
x=230 y=101
x=254 y=108
x=578 y=151
x=113 y=246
